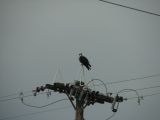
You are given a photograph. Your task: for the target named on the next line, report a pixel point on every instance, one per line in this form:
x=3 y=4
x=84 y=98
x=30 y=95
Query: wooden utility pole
x=79 y=111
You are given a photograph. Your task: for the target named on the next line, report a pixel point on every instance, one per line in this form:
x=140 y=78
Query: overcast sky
x=37 y=37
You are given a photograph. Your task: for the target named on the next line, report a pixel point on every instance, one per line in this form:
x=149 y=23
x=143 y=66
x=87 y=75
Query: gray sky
x=39 y=36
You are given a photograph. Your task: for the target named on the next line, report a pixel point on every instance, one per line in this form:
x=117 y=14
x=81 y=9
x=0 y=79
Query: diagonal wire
x=139 y=10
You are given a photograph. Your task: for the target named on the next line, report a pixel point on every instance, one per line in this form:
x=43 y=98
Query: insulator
x=82 y=83
x=113 y=103
x=35 y=94
x=21 y=95
x=142 y=97
x=37 y=89
x=119 y=99
x=114 y=110
x=42 y=88
x=48 y=93
x=77 y=83
x=139 y=101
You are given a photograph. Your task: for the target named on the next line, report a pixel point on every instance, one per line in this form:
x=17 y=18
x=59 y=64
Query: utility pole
x=81 y=96
x=79 y=111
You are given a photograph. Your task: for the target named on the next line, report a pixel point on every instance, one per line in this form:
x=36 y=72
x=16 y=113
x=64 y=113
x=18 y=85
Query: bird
x=84 y=61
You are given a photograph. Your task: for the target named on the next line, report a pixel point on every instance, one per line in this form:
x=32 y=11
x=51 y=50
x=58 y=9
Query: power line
x=8 y=99
x=133 y=79
x=4 y=100
x=66 y=107
x=145 y=88
x=148 y=95
x=43 y=105
x=116 y=82
x=13 y=94
x=138 y=89
x=139 y=10
x=35 y=113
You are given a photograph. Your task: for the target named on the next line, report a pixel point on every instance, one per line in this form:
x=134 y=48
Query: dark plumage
x=84 y=61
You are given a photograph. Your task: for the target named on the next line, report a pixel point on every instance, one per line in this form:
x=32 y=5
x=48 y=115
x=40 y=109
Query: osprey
x=84 y=61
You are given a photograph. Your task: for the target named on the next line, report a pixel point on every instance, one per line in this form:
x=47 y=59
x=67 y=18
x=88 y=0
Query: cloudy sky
x=37 y=37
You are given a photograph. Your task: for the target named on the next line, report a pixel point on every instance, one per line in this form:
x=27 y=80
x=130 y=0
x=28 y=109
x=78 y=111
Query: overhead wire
x=137 y=97
x=30 y=95
x=139 y=89
x=127 y=98
x=21 y=96
x=125 y=90
x=132 y=79
x=128 y=7
x=66 y=107
x=43 y=105
x=145 y=88
x=8 y=99
x=14 y=94
x=143 y=96
x=108 y=83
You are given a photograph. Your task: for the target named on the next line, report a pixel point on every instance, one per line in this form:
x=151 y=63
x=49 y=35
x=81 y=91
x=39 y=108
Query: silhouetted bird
x=84 y=61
